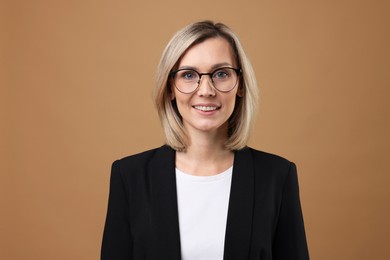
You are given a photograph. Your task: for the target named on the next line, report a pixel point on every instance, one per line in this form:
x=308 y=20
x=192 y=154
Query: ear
x=171 y=93
x=240 y=91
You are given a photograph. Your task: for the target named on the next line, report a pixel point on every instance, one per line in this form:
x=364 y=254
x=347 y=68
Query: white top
x=203 y=205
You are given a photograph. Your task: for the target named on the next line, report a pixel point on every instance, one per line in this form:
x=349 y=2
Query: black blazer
x=264 y=216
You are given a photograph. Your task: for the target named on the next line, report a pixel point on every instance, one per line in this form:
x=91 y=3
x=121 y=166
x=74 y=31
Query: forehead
x=209 y=53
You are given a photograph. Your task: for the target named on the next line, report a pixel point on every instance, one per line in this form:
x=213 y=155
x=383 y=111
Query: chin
x=209 y=128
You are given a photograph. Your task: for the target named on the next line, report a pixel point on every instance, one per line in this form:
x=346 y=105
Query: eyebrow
x=215 y=66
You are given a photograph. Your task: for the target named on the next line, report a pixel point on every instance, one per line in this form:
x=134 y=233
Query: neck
x=206 y=155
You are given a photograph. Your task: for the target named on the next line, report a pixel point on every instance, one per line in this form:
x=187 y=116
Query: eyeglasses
x=188 y=80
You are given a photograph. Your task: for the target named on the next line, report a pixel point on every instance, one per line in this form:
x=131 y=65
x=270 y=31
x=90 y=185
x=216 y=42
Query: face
x=207 y=109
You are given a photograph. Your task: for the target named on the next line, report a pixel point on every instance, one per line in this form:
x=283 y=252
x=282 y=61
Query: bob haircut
x=240 y=122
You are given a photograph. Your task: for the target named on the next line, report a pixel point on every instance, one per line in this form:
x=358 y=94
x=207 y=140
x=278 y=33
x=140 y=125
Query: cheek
x=232 y=103
x=181 y=101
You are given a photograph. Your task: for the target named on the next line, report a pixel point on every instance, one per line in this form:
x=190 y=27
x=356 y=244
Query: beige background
x=76 y=80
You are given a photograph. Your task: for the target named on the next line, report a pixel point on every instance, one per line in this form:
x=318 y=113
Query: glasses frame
x=238 y=72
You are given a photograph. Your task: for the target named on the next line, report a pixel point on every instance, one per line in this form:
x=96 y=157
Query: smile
x=206 y=108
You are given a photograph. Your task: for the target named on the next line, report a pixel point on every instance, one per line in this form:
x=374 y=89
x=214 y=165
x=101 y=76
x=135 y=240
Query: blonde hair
x=241 y=121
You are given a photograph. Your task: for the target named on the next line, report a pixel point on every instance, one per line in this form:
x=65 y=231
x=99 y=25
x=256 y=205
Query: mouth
x=206 y=108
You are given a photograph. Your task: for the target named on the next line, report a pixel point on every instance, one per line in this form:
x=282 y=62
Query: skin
x=206 y=154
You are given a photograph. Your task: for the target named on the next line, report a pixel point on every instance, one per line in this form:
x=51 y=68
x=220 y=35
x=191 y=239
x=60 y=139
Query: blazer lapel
x=240 y=212
x=163 y=200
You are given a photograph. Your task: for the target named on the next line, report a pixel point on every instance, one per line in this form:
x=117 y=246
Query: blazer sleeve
x=117 y=241
x=290 y=239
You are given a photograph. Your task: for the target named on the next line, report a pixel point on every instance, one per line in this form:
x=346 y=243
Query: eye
x=221 y=74
x=188 y=75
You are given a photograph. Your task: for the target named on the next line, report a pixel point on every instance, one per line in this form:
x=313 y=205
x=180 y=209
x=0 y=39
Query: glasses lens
x=186 y=80
x=224 y=79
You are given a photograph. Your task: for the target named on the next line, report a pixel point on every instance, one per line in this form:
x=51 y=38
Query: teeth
x=204 y=108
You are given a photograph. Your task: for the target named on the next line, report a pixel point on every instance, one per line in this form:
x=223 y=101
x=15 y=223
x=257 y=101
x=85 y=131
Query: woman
x=205 y=194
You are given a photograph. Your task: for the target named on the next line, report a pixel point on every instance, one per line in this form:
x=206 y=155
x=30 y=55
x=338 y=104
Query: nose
x=206 y=87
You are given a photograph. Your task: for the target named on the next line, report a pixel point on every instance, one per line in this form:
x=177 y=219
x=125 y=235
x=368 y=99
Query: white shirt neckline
x=210 y=178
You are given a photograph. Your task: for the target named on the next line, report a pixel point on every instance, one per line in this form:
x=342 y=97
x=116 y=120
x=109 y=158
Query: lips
x=207 y=108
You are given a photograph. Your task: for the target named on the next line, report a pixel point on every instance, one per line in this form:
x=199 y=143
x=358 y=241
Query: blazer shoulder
x=142 y=159
x=272 y=164
x=272 y=169
x=269 y=158
x=139 y=156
